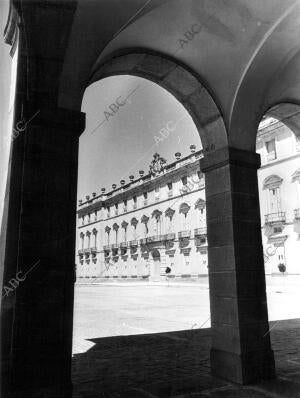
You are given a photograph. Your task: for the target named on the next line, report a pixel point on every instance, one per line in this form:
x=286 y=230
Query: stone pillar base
x=231 y=366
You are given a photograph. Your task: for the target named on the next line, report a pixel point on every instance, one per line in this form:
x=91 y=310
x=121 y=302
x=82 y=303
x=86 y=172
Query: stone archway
x=177 y=79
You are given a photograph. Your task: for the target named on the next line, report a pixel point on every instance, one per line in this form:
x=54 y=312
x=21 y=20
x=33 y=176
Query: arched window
x=116 y=229
x=184 y=208
x=169 y=213
x=200 y=211
x=134 y=223
x=107 y=230
x=124 y=226
x=82 y=240
x=145 y=220
x=156 y=215
x=273 y=196
x=95 y=232
x=88 y=234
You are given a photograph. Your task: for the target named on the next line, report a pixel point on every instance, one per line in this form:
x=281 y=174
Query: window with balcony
x=156 y=215
x=134 y=202
x=273 y=211
x=116 y=229
x=134 y=223
x=169 y=213
x=271 y=150
x=107 y=231
x=125 y=206
x=124 y=226
x=108 y=212
x=144 y=221
x=145 y=196
x=116 y=209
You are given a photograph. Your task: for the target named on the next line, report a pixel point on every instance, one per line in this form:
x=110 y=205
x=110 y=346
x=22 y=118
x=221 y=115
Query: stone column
x=241 y=350
x=39 y=260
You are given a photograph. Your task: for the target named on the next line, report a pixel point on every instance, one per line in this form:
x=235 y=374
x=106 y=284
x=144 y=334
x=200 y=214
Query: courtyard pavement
x=145 y=340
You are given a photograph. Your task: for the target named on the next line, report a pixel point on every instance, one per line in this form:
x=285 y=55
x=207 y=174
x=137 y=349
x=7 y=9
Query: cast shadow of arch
x=161 y=364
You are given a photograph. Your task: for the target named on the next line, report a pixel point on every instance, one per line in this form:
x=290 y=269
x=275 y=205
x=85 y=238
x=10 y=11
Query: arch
x=179 y=80
x=107 y=229
x=272 y=181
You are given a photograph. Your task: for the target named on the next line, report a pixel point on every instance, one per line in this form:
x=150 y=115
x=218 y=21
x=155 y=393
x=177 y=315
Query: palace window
x=271 y=186
x=145 y=195
x=95 y=232
x=107 y=230
x=116 y=229
x=145 y=220
x=88 y=234
x=82 y=240
x=124 y=226
x=184 y=208
x=125 y=206
x=156 y=215
x=134 y=202
x=169 y=213
x=134 y=223
x=108 y=212
x=271 y=150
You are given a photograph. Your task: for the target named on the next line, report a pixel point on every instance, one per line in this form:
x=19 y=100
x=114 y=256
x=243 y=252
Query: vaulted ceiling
x=246 y=52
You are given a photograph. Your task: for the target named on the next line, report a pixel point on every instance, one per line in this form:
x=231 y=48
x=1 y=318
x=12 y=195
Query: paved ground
x=159 y=342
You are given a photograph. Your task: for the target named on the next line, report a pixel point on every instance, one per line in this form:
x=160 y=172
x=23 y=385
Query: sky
x=128 y=119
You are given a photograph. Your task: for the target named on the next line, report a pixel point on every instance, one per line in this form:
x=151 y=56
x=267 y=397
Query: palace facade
x=154 y=226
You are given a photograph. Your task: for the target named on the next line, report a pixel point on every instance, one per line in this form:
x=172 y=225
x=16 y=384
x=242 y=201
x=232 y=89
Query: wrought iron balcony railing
x=87 y=251
x=133 y=243
x=170 y=236
x=200 y=231
x=154 y=238
x=275 y=218
x=94 y=249
x=297 y=214
x=184 y=234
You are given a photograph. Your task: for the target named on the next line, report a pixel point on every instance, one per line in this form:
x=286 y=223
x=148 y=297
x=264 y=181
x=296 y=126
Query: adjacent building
x=154 y=226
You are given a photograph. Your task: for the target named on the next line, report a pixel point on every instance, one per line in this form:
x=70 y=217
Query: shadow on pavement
x=176 y=364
